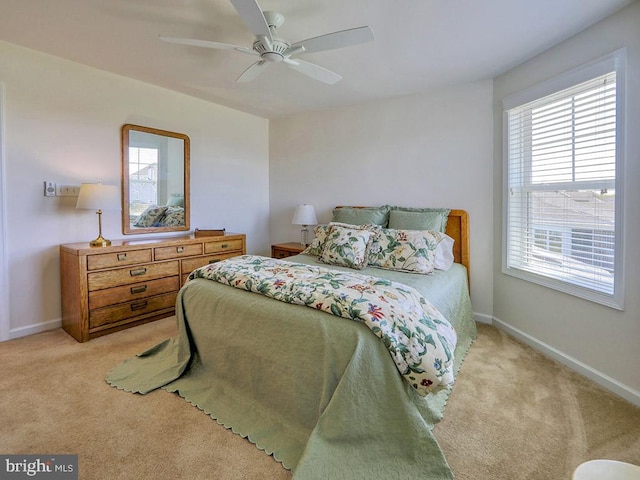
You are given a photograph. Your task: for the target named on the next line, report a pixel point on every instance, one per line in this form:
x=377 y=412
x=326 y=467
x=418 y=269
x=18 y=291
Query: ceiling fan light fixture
x=272 y=57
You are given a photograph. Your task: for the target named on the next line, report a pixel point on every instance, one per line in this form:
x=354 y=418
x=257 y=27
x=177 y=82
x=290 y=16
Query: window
x=563 y=164
x=143 y=182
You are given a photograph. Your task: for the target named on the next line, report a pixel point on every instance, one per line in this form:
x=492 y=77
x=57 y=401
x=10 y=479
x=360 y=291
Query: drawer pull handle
x=138 y=305
x=224 y=245
x=137 y=272
x=214 y=260
x=179 y=249
x=139 y=289
x=122 y=256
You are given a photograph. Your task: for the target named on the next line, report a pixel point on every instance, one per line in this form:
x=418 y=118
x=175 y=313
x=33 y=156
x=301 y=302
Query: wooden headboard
x=458 y=229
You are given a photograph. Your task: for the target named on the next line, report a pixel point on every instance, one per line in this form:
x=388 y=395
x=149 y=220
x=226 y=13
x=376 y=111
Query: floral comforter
x=418 y=337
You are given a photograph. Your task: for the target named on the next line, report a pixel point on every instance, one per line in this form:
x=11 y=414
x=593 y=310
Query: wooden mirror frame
x=127 y=228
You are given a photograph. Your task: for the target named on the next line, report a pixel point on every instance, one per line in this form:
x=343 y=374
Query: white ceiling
x=419 y=45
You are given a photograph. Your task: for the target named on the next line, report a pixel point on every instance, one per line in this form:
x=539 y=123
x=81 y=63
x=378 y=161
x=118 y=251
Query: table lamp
x=304 y=215
x=96 y=196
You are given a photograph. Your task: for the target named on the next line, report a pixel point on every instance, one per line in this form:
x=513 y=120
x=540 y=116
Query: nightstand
x=284 y=250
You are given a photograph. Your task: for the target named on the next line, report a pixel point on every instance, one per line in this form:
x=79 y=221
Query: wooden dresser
x=106 y=289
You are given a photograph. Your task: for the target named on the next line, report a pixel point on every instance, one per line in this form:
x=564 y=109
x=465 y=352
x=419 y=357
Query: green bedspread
x=319 y=392
x=418 y=337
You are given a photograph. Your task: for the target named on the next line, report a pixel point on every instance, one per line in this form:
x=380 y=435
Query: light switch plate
x=49 y=189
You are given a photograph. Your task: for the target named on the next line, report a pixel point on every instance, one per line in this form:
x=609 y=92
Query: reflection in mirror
x=155 y=180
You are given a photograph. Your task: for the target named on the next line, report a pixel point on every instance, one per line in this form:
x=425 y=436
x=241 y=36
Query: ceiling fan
x=272 y=49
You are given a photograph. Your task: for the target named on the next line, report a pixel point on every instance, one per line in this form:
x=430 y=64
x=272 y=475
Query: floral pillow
x=150 y=217
x=321 y=232
x=405 y=250
x=315 y=248
x=174 y=217
x=346 y=247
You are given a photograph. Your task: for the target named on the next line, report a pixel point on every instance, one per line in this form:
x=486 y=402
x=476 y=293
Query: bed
x=318 y=392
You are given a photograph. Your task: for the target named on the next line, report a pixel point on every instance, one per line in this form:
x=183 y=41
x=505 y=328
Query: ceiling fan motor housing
x=273 y=54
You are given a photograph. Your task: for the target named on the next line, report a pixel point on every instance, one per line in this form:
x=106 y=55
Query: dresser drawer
x=127 y=293
x=191 y=264
x=133 y=274
x=177 y=251
x=120 y=259
x=284 y=250
x=278 y=253
x=123 y=311
x=221 y=246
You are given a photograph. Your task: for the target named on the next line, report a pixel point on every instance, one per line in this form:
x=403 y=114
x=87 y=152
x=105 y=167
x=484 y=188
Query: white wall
x=428 y=150
x=4 y=276
x=598 y=341
x=62 y=123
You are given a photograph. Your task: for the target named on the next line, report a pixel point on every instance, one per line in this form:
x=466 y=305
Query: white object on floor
x=606 y=470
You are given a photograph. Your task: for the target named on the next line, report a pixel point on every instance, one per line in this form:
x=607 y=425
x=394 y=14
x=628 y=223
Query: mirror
x=155 y=180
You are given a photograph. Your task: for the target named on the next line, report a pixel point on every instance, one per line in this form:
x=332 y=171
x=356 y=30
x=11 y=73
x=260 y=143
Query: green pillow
x=176 y=200
x=419 y=218
x=361 y=216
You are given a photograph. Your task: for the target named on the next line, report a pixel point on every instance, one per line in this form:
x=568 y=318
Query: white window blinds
x=560 y=222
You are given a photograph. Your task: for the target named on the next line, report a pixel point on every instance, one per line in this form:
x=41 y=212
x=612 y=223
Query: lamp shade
x=96 y=196
x=305 y=215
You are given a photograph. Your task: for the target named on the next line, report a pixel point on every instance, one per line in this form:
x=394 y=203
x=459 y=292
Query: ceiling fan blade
x=252 y=15
x=314 y=71
x=253 y=71
x=207 y=44
x=343 y=38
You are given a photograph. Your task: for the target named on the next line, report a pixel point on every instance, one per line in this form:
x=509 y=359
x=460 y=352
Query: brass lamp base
x=100 y=242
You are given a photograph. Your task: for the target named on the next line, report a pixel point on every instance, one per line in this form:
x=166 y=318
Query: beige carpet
x=513 y=414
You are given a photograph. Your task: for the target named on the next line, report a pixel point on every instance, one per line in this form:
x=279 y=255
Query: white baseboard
x=482 y=318
x=37 y=328
x=600 y=378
